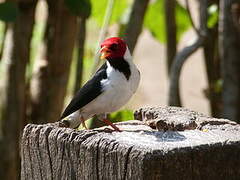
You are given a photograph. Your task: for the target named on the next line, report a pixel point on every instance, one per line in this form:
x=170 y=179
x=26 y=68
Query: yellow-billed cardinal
x=109 y=89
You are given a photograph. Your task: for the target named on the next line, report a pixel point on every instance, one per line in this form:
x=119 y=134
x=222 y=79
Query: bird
x=111 y=87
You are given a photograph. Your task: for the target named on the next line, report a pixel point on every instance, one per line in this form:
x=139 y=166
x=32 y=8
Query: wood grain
x=139 y=152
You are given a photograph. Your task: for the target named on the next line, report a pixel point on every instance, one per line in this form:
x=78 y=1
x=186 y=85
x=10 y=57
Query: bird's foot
x=83 y=123
x=112 y=125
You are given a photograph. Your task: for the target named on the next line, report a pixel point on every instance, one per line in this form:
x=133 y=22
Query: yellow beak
x=103 y=55
x=104 y=52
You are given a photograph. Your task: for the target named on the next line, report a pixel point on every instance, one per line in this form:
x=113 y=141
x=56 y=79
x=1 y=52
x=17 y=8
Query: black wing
x=87 y=93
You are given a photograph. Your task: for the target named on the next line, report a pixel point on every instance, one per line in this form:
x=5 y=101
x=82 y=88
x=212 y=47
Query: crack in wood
x=97 y=170
x=46 y=134
x=126 y=162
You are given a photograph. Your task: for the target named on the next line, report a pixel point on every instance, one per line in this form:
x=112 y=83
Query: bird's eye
x=113 y=47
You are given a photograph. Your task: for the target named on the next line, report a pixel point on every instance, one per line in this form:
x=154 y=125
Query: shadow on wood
x=164 y=143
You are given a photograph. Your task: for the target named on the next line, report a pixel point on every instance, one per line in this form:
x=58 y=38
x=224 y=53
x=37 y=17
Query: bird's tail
x=72 y=121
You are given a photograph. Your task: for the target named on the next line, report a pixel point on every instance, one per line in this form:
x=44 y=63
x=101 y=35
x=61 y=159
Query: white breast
x=117 y=92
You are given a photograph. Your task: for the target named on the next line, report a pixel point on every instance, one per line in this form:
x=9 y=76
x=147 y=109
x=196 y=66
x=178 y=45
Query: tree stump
x=163 y=143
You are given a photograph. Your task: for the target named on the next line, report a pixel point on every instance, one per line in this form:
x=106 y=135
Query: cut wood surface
x=164 y=143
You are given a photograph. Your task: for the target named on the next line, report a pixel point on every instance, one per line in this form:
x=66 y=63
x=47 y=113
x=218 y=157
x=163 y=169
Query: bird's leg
x=111 y=124
x=83 y=122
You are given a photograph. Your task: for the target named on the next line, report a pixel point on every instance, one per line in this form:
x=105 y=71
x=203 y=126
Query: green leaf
x=182 y=20
x=218 y=85
x=8 y=11
x=99 y=8
x=155 y=20
x=80 y=8
x=122 y=115
x=213 y=16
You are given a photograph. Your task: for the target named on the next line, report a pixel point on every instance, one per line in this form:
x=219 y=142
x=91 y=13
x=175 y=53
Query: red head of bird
x=112 y=48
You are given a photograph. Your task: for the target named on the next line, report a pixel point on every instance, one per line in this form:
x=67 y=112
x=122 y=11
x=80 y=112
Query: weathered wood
x=180 y=119
x=211 y=150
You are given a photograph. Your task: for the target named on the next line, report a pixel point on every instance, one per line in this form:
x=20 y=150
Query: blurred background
x=188 y=53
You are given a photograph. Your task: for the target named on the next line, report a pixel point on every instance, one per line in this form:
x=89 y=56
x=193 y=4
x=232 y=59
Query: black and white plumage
x=109 y=89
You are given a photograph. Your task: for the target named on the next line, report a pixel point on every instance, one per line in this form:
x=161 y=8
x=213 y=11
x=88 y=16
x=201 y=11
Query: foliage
x=122 y=115
x=218 y=85
x=8 y=11
x=99 y=7
x=119 y=116
x=2 y=27
x=213 y=16
x=182 y=20
x=155 y=20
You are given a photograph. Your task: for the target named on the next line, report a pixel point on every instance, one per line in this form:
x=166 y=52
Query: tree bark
x=171 y=33
x=229 y=45
x=47 y=102
x=212 y=63
x=80 y=44
x=134 y=26
x=14 y=111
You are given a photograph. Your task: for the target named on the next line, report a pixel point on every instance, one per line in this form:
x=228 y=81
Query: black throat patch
x=121 y=65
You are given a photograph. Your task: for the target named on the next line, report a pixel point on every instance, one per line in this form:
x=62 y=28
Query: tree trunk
x=14 y=110
x=229 y=45
x=80 y=44
x=170 y=20
x=134 y=26
x=212 y=63
x=47 y=102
